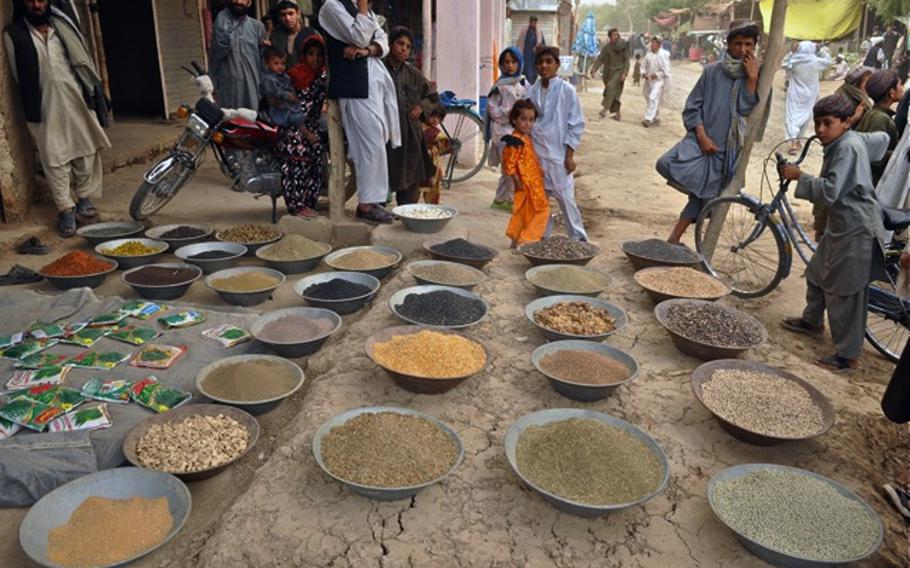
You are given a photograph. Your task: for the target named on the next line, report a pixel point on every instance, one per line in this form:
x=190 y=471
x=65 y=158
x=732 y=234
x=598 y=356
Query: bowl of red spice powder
x=77 y=269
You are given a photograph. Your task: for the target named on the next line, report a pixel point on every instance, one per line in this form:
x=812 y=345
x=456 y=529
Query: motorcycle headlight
x=198 y=126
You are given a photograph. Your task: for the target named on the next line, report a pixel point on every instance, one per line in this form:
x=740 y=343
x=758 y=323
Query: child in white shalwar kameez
x=510 y=87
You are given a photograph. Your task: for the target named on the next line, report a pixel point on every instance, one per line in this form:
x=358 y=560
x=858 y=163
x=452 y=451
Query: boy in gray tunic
x=850 y=251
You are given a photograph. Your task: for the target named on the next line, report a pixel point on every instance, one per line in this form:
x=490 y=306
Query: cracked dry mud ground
x=294 y=515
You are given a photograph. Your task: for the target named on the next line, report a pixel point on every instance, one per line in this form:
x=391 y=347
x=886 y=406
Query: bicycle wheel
x=752 y=268
x=887 y=320
x=469 y=149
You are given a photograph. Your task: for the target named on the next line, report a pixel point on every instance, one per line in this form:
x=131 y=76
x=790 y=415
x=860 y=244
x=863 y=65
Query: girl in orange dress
x=530 y=208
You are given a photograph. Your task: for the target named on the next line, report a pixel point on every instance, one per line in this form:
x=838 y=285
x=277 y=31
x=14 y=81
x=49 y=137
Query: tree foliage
x=655 y=7
x=890 y=9
x=626 y=15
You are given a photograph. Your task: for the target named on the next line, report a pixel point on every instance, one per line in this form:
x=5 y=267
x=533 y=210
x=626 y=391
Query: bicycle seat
x=450 y=100
x=895 y=219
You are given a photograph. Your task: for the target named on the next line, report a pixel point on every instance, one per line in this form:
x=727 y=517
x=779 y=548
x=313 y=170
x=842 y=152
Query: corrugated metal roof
x=534 y=5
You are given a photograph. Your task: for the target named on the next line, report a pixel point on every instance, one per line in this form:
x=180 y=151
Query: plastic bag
x=140 y=309
x=97 y=360
x=153 y=395
x=30 y=413
x=182 y=319
x=57 y=396
x=156 y=356
x=134 y=334
x=85 y=419
x=32 y=378
x=85 y=337
x=110 y=390
x=227 y=335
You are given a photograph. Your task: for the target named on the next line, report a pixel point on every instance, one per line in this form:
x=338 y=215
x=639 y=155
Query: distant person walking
x=656 y=72
x=236 y=59
x=528 y=40
x=614 y=59
x=804 y=68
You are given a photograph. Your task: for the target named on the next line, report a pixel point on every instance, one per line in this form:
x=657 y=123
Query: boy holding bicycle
x=851 y=248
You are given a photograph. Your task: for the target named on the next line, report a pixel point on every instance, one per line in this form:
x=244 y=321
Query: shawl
x=302 y=75
x=504 y=80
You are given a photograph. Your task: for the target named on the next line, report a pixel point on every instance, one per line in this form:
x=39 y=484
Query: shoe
x=646 y=123
x=799 y=325
x=899 y=498
x=602 y=113
x=838 y=364
x=655 y=122
x=66 y=223
x=502 y=206
x=617 y=117
x=85 y=208
x=32 y=245
x=375 y=214
x=20 y=275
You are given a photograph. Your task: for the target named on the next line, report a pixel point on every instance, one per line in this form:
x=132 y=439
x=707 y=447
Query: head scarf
x=504 y=78
x=301 y=74
x=805 y=53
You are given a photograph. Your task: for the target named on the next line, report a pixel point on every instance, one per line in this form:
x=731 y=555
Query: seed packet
x=110 y=390
x=74 y=327
x=108 y=319
x=29 y=347
x=227 y=335
x=30 y=413
x=182 y=319
x=153 y=395
x=40 y=330
x=134 y=334
x=86 y=419
x=32 y=378
x=57 y=396
x=140 y=309
x=7 y=341
x=40 y=360
x=97 y=360
x=85 y=337
x=8 y=428
x=157 y=356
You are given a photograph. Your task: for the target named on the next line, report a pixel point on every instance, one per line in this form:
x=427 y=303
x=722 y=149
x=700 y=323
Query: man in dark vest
x=64 y=105
x=355 y=45
x=289 y=33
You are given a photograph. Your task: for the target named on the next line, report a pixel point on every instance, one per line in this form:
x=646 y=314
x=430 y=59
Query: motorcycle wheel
x=151 y=197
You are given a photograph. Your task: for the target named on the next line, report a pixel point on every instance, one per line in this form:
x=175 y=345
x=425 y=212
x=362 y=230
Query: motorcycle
x=244 y=147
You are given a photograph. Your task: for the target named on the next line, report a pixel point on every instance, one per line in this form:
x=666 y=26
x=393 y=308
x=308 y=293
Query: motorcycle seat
x=895 y=219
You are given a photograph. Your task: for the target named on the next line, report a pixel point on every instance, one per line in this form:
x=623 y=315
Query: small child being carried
x=275 y=86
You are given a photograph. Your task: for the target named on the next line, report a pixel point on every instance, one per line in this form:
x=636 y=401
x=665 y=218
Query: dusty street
x=277 y=508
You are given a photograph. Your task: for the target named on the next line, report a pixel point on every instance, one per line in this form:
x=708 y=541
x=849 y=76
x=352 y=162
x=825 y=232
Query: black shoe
x=20 y=275
x=32 y=245
x=799 y=325
x=66 y=223
x=85 y=208
x=375 y=214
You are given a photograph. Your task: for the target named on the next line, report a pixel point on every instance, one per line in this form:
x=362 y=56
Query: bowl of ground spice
x=104 y=519
x=133 y=252
x=460 y=250
x=793 y=517
x=569 y=316
x=444 y=273
x=655 y=252
x=252 y=236
x=245 y=286
x=97 y=233
x=193 y=442
x=294 y=254
x=378 y=261
x=255 y=383
x=555 y=279
x=426 y=361
x=586 y=463
x=444 y=307
x=584 y=370
x=77 y=269
x=211 y=256
x=707 y=330
x=759 y=404
x=296 y=332
x=424 y=217
x=559 y=250
x=342 y=292
x=387 y=453
x=164 y=281
x=180 y=234
x=670 y=282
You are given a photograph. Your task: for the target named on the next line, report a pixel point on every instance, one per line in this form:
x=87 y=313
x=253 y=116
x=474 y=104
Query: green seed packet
x=7 y=341
x=85 y=419
x=97 y=360
x=153 y=395
x=134 y=334
x=108 y=390
x=140 y=309
x=85 y=337
x=30 y=413
x=30 y=347
x=157 y=356
x=74 y=327
x=8 y=428
x=40 y=360
x=40 y=330
x=58 y=396
x=227 y=335
x=27 y=379
x=108 y=319
x=182 y=319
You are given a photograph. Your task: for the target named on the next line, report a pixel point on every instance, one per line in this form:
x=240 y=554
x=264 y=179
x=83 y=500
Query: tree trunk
x=336 y=169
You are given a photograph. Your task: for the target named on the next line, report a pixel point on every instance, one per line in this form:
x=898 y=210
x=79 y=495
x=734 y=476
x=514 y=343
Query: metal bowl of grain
x=293 y=265
x=373 y=491
x=377 y=261
x=437 y=251
x=167 y=291
x=768 y=408
x=558 y=279
x=98 y=233
x=127 y=261
x=252 y=386
x=133 y=437
x=529 y=251
x=211 y=256
x=618 y=314
x=655 y=252
x=397 y=299
x=292 y=346
x=581 y=388
x=270 y=235
x=578 y=508
x=346 y=304
x=197 y=233
x=672 y=282
x=424 y=217
x=82 y=280
x=414 y=382
x=684 y=337
x=219 y=282
x=444 y=273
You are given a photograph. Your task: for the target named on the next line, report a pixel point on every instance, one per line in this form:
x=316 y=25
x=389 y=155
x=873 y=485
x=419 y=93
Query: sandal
x=19 y=275
x=838 y=364
x=899 y=498
x=32 y=245
x=85 y=208
x=799 y=325
x=66 y=223
x=375 y=214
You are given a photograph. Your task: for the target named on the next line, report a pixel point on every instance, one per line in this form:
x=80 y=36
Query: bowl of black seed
x=341 y=292
x=444 y=307
x=180 y=234
x=461 y=250
x=211 y=256
x=708 y=330
x=559 y=250
x=655 y=252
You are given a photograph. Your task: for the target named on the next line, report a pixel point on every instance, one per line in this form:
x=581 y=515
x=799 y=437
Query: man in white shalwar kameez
x=655 y=69
x=804 y=69
x=366 y=96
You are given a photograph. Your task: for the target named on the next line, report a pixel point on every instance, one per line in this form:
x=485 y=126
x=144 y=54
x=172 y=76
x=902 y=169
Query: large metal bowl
x=543 y=417
x=701 y=350
x=475 y=262
x=86 y=280
x=398 y=298
x=703 y=373
x=251 y=248
x=123 y=229
x=641 y=262
x=382 y=493
x=293 y=266
x=165 y=291
x=413 y=266
x=379 y=273
x=777 y=557
x=542 y=291
x=341 y=306
x=419 y=225
x=295 y=349
x=659 y=297
x=131 y=442
x=539 y=260
x=127 y=262
x=584 y=392
x=416 y=383
x=53 y=510
x=250 y=298
x=618 y=314
x=254 y=407
x=210 y=265
x=156 y=232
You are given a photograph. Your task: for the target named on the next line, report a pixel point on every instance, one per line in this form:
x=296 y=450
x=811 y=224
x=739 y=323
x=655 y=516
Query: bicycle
x=463 y=127
x=754 y=253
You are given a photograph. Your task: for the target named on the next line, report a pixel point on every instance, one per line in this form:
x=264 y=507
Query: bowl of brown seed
x=444 y=273
x=708 y=330
x=375 y=260
x=584 y=370
x=387 y=453
x=555 y=279
x=250 y=235
x=671 y=282
x=569 y=316
x=759 y=404
x=559 y=250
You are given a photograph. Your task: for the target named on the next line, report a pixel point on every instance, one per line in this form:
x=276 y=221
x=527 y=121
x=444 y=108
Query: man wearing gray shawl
x=236 y=57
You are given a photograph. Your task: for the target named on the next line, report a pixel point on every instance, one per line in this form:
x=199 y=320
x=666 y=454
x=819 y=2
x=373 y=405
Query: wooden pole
x=427 y=23
x=336 y=169
x=99 y=49
x=772 y=57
